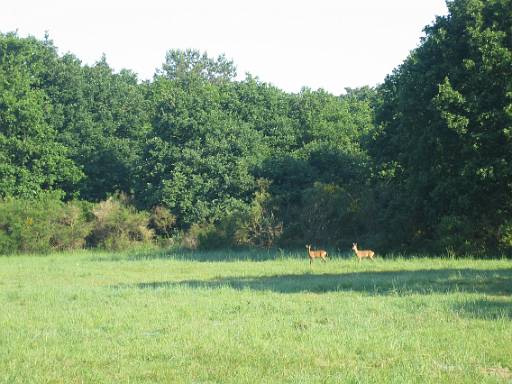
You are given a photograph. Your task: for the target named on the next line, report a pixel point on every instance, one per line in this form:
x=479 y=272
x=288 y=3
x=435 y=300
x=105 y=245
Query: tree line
x=421 y=162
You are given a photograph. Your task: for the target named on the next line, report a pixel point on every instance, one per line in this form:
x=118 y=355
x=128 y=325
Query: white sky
x=330 y=44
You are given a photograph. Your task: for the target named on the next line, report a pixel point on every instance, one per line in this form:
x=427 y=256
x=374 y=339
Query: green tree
x=445 y=140
x=102 y=117
x=197 y=162
x=31 y=158
x=324 y=169
x=182 y=64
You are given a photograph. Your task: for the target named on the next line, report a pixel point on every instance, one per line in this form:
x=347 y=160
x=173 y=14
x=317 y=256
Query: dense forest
x=198 y=158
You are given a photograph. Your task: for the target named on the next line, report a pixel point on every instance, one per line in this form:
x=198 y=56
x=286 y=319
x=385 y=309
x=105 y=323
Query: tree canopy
x=420 y=162
x=445 y=123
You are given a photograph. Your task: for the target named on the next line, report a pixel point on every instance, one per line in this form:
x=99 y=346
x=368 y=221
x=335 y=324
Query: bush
x=41 y=225
x=162 y=221
x=505 y=238
x=257 y=225
x=251 y=225
x=71 y=227
x=455 y=235
x=205 y=236
x=117 y=226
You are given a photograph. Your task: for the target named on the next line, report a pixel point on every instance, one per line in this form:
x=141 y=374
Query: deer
x=313 y=254
x=363 y=253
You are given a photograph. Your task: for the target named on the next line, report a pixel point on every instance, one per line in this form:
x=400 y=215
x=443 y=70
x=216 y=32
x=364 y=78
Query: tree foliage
x=31 y=158
x=445 y=141
x=421 y=162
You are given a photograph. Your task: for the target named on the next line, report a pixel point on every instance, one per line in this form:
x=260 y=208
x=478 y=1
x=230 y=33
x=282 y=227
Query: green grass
x=253 y=317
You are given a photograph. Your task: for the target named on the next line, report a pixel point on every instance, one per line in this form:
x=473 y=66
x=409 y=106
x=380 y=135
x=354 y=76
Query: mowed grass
x=253 y=318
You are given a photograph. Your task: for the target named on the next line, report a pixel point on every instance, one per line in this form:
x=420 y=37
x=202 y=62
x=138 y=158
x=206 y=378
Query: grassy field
x=253 y=318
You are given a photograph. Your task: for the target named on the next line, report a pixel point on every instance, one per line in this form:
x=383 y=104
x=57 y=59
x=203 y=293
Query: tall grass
x=249 y=317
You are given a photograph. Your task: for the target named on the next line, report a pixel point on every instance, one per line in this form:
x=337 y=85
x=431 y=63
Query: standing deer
x=363 y=253
x=312 y=254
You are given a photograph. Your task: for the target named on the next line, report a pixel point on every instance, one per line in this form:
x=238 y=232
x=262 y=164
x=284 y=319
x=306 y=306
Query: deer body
x=316 y=254
x=362 y=254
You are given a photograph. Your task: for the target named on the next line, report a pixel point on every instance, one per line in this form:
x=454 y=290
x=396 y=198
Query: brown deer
x=313 y=254
x=363 y=253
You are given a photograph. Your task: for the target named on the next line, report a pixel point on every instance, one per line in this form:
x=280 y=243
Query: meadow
x=253 y=317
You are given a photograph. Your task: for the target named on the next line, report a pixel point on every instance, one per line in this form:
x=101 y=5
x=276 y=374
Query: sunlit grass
x=253 y=317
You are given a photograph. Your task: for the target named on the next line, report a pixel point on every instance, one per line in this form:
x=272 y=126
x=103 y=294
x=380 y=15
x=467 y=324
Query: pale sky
x=329 y=44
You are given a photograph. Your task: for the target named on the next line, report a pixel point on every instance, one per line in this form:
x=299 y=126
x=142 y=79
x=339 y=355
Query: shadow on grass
x=494 y=282
x=485 y=309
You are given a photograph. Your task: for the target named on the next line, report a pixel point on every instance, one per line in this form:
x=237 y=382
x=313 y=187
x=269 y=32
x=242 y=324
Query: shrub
x=456 y=236
x=257 y=225
x=25 y=226
x=71 y=227
x=41 y=225
x=250 y=225
x=118 y=226
x=162 y=221
x=204 y=236
x=505 y=238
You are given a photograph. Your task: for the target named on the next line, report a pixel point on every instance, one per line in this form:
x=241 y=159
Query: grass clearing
x=221 y=317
